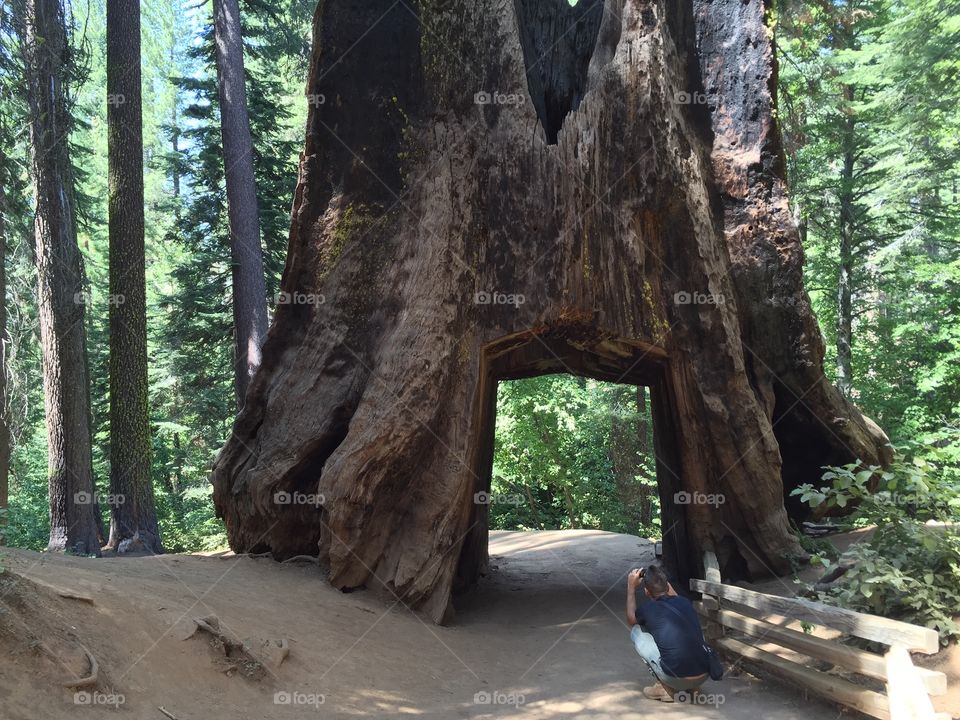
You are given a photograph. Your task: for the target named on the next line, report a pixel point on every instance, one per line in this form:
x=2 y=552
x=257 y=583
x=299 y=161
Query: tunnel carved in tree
x=652 y=239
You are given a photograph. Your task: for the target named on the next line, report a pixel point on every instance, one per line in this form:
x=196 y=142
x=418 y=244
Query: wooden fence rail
x=908 y=687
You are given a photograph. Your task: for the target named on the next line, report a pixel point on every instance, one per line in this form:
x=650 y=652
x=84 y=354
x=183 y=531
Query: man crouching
x=670 y=640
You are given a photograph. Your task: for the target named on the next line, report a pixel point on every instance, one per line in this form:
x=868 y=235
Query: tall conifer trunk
x=132 y=514
x=60 y=283
x=249 y=284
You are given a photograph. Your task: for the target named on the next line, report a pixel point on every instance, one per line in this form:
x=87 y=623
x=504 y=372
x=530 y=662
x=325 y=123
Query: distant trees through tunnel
x=573 y=452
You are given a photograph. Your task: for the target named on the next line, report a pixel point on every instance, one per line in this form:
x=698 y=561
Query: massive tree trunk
x=132 y=514
x=60 y=287
x=249 y=284
x=442 y=240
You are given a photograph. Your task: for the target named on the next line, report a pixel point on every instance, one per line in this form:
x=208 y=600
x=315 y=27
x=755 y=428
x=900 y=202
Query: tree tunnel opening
x=573 y=453
x=627 y=369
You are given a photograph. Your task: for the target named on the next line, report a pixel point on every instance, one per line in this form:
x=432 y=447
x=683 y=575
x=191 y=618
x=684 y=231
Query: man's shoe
x=658 y=692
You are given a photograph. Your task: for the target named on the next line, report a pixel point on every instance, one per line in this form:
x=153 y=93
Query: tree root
x=247 y=555
x=277 y=651
x=211 y=625
x=92 y=676
x=827 y=581
x=235 y=652
x=61 y=591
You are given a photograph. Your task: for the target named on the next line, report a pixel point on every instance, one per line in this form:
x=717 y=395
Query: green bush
x=909 y=567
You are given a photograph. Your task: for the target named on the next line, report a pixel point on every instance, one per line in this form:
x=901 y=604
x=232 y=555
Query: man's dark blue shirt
x=676 y=629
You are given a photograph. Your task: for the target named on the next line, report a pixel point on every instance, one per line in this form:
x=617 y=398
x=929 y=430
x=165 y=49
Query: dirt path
x=543 y=637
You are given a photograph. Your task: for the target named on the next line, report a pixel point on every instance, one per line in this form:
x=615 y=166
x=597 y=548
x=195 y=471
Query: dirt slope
x=543 y=637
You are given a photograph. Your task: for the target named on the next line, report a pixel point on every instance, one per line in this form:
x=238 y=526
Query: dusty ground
x=543 y=637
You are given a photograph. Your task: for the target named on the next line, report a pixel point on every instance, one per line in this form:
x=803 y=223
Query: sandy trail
x=542 y=637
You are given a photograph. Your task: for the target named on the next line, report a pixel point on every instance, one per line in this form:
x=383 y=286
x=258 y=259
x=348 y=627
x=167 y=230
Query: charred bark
x=452 y=244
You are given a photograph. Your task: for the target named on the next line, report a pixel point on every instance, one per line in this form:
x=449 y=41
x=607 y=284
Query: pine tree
x=61 y=294
x=197 y=397
x=133 y=519
x=248 y=284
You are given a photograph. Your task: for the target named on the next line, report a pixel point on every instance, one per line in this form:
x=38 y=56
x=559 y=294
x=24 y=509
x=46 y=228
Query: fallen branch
x=167 y=713
x=91 y=678
x=301 y=558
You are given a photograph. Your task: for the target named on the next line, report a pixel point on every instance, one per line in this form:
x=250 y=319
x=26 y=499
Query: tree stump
x=494 y=190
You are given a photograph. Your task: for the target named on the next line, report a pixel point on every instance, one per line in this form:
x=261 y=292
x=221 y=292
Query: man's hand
x=634 y=578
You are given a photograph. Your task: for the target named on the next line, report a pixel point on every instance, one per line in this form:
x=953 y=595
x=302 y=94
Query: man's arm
x=633 y=580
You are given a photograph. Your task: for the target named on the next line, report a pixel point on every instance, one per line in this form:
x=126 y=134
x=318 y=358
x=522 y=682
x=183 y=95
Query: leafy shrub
x=909 y=567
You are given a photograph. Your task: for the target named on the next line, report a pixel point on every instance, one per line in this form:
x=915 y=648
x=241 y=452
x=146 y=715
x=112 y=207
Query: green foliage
x=870 y=111
x=872 y=82
x=876 y=81
x=820 y=547
x=573 y=453
x=188 y=258
x=909 y=565
x=194 y=400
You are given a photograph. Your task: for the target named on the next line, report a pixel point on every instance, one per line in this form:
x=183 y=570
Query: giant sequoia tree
x=492 y=191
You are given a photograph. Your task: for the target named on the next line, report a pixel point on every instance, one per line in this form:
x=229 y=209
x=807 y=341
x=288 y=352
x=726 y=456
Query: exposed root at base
x=91 y=678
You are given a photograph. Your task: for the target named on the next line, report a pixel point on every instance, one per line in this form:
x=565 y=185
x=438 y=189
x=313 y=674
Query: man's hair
x=655 y=581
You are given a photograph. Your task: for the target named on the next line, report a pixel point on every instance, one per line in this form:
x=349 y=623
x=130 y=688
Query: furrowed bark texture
x=133 y=517
x=442 y=241
x=74 y=523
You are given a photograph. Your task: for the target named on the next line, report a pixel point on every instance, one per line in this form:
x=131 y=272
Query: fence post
x=711 y=571
x=907 y=695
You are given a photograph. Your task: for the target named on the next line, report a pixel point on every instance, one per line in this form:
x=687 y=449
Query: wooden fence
x=764 y=620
